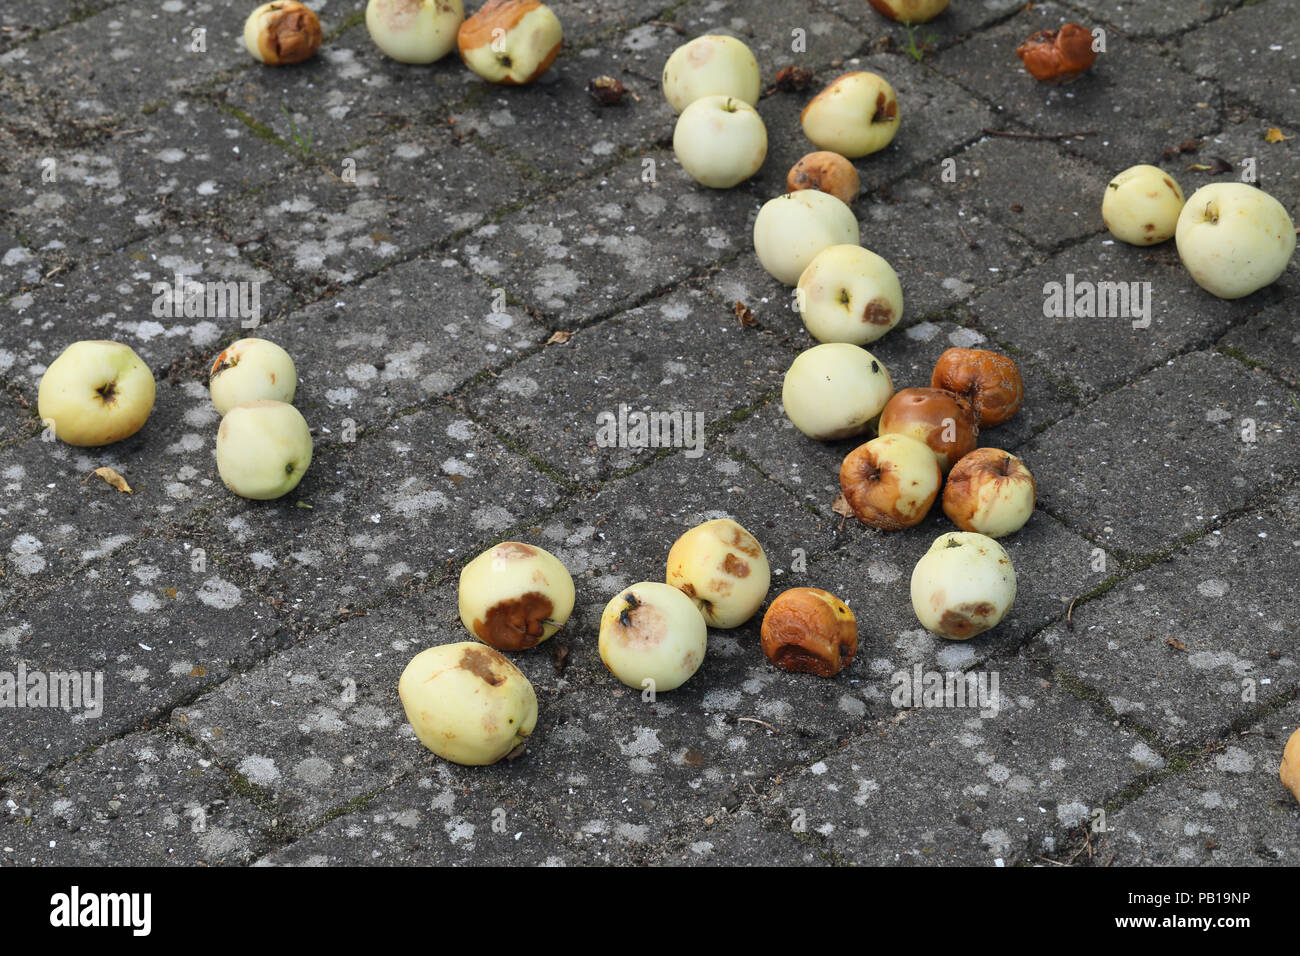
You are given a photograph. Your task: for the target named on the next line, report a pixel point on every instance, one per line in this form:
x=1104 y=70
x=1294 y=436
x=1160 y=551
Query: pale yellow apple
x=414 y=31
x=467 y=703
x=790 y=230
x=652 y=632
x=712 y=65
x=1234 y=239
x=835 y=390
x=263 y=449
x=720 y=141
x=1141 y=206
x=911 y=11
x=96 y=393
x=849 y=294
x=250 y=369
x=963 y=585
x=515 y=595
x=855 y=116
x=511 y=41
x=722 y=568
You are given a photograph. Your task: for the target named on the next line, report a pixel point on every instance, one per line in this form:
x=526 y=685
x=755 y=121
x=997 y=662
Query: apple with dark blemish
x=722 y=568
x=512 y=42
x=891 y=481
x=514 y=596
x=652 y=636
x=1141 y=205
x=251 y=369
x=849 y=294
x=855 y=116
x=964 y=585
x=989 y=491
x=990 y=381
x=810 y=631
x=942 y=420
x=96 y=393
x=826 y=172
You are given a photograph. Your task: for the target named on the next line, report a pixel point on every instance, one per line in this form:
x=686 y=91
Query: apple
x=849 y=294
x=251 y=369
x=855 y=116
x=790 y=230
x=943 y=421
x=963 y=585
x=1289 y=772
x=722 y=568
x=515 y=595
x=825 y=171
x=1234 y=239
x=1060 y=56
x=720 y=141
x=282 y=32
x=1141 y=206
x=989 y=491
x=467 y=703
x=263 y=449
x=414 y=31
x=511 y=41
x=891 y=481
x=96 y=393
x=652 y=632
x=835 y=390
x=911 y=11
x=990 y=381
x=712 y=65
x=811 y=631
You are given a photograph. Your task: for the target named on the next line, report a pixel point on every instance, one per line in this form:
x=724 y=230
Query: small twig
x=675 y=27
x=1053 y=862
x=1069 y=624
x=755 y=720
x=1013 y=135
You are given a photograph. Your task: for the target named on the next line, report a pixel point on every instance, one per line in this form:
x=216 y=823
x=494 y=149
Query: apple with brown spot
x=989 y=491
x=943 y=421
x=891 y=481
x=514 y=596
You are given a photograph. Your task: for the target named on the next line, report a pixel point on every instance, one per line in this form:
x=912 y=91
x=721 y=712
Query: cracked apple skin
x=963 y=586
x=1289 y=772
x=990 y=381
x=1142 y=205
x=467 y=703
x=652 y=631
x=855 y=116
x=711 y=65
x=528 y=46
x=722 y=568
x=96 y=393
x=810 y=631
x=1234 y=239
x=514 y=596
x=849 y=294
x=282 y=33
x=891 y=481
x=991 y=492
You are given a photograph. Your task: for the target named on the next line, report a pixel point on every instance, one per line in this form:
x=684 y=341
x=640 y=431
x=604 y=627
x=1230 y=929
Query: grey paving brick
x=586 y=21
x=1269 y=337
x=1149 y=19
x=767 y=26
x=743 y=835
x=958 y=19
x=1213 y=599
x=1163 y=456
x=1276 y=165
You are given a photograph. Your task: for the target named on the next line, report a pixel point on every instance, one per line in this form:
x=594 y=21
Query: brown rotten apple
x=891 y=481
x=989 y=381
x=282 y=33
x=989 y=491
x=1059 y=56
x=826 y=172
x=811 y=631
x=944 y=421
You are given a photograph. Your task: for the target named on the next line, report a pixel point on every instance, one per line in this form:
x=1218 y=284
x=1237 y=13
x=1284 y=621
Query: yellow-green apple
x=1289 y=772
x=722 y=568
x=1141 y=206
x=849 y=294
x=1234 y=239
x=515 y=595
x=282 y=32
x=720 y=141
x=415 y=31
x=712 y=65
x=943 y=421
x=990 y=381
x=989 y=491
x=790 y=230
x=467 y=703
x=511 y=41
x=811 y=631
x=891 y=481
x=652 y=632
x=825 y=171
x=911 y=11
x=251 y=369
x=963 y=585
x=855 y=116
x=263 y=449
x=835 y=390
x=96 y=393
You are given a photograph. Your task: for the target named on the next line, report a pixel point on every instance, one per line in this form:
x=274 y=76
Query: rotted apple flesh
x=826 y=172
x=96 y=393
x=891 y=481
x=855 y=116
x=652 y=637
x=514 y=596
x=282 y=33
x=810 y=631
x=722 y=568
x=511 y=41
x=989 y=491
x=467 y=703
x=963 y=586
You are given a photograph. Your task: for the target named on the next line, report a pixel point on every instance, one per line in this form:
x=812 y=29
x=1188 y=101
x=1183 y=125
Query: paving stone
x=1269 y=337
x=1217 y=600
x=945 y=785
x=18 y=23
x=685 y=344
x=743 y=835
x=1175 y=434
x=1276 y=165
x=958 y=19
x=16 y=422
x=151 y=622
x=1152 y=19
x=143 y=800
x=767 y=27
x=1254 y=52
x=586 y=21
x=1228 y=810
x=1173 y=106
x=612 y=240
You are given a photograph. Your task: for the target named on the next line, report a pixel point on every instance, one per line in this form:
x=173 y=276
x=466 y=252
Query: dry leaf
x=113 y=478
x=559 y=338
x=1274 y=135
x=561 y=656
x=171 y=593
x=1175 y=643
x=199 y=671
x=744 y=314
x=606 y=90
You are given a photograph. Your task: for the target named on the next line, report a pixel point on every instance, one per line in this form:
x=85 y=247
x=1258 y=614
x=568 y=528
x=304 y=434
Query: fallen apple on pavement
x=964 y=585
x=722 y=568
x=720 y=141
x=835 y=391
x=514 y=596
x=652 y=636
x=1234 y=239
x=414 y=31
x=263 y=449
x=712 y=65
x=790 y=230
x=855 y=116
x=96 y=393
